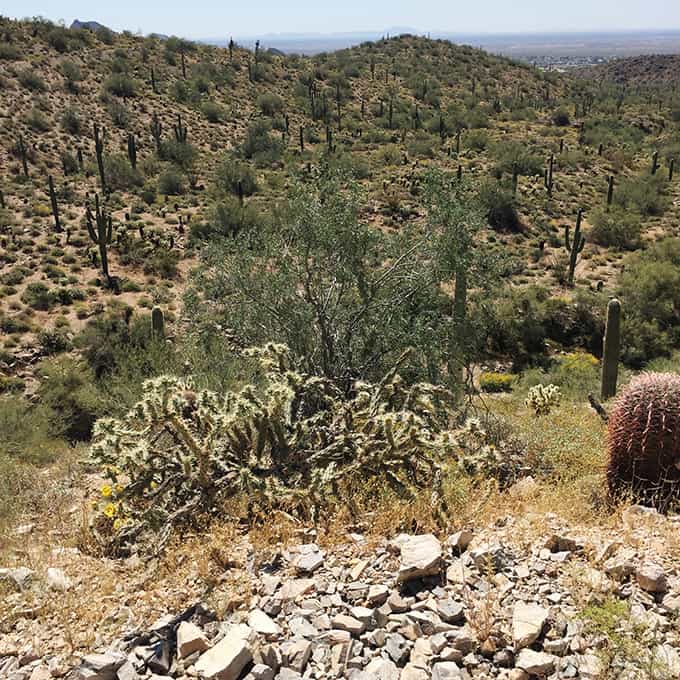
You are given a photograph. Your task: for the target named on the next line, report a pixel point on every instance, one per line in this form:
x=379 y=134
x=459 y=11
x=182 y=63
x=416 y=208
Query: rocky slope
x=501 y=602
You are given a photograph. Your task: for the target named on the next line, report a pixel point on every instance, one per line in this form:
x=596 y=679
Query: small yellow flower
x=119 y=488
x=118 y=524
x=154 y=485
x=107 y=490
x=110 y=510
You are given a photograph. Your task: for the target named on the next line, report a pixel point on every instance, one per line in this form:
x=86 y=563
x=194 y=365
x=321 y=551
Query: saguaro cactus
x=22 y=154
x=655 y=162
x=55 y=206
x=132 y=150
x=575 y=247
x=154 y=87
x=99 y=150
x=156 y=131
x=302 y=138
x=611 y=349
x=610 y=190
x=549 y=175
x=180 y=130
x=671 y=169
x=157 y=323
x=101 y=234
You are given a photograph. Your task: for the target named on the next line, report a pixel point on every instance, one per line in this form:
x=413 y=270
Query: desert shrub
x=561 y=118
x=67 y=389
x=9 y=52
x=615 y=228
x=227 y=219
x=32 y=81
x=228 y=175
x=105 y=35
x=645 y=194
x=213 y=112
x=162 y=262
x=270 y=104
x=37 y=121
x=70 y=121
x=120 y=85
x=171 y=183
x=182 y=154
x=496 y=382
x=611 y=132
x=38 y=296
x=650 y=290
x=11 y=384
x=499 y=207
x=477 y=140
x=72 y=74
x=511 y=155
x=120 y=175
x=69 y=163
x=53 y=341
x=260 y=145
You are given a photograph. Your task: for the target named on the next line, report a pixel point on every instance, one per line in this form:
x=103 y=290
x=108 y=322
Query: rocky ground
x=498 y=602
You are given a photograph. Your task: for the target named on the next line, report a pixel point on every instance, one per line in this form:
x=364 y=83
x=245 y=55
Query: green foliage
x=561 y=118
x=67 y=389
x=120 y=85
x=213 y=112
x=70 y=121
x=32 y=81
x=227 y=219
x=120 y=175
x=499 y=207
x=259 y=144
x=228 y=175
x=293 y=442
x=270 y=104
x=645 y=194
x=171 y=183
x=616 y=228
x=650 y=290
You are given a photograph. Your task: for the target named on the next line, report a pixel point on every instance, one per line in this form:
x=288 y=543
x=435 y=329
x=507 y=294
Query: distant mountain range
x=88 y=25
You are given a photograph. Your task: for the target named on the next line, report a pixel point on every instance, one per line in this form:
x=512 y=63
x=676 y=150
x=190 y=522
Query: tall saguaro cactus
x=610 y=190
x=132 y=150
x=55 y=205
x=157 y=323
x=612 y=348
x=22 y=153
x=100 y=229
x=99 y=150
x=156 y=131
x=180 y=130
x=575 y=247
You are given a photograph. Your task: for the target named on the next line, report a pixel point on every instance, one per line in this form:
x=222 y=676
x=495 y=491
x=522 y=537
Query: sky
x=217 y=18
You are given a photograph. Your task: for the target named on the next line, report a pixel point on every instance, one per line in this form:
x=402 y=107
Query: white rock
x=382 y=669
x=535 y=663
x=294 y=588
x=589 y=666
x=190 y=639
x=228 y=657
x=420 y=556
x=527 y=623
x=446 y=670
x=378 y=594
x=667 y=660
x=57 y=579
x=308 y=559
x=263 y=624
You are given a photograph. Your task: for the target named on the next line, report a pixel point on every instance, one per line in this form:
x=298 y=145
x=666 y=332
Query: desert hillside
x=358 y=365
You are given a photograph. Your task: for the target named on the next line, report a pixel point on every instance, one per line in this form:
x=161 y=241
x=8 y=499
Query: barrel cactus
x=644 y=441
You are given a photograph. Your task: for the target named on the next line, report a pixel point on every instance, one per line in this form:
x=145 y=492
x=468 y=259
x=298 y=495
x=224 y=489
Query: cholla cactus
x=296 y=442
x=543 y=398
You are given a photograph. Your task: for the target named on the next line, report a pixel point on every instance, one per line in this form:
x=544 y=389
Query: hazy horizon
x=209 y=19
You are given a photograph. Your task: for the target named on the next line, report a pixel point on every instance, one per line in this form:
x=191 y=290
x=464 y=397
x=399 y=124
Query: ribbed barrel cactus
x=644 y=441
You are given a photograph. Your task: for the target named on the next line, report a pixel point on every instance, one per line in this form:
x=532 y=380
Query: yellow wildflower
x=118 y=524
x=110 y=510
x=107 y=490
x=119 y=488
x=154 y=485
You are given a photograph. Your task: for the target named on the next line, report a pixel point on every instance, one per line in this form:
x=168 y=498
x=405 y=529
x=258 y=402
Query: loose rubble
x=474 y=605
